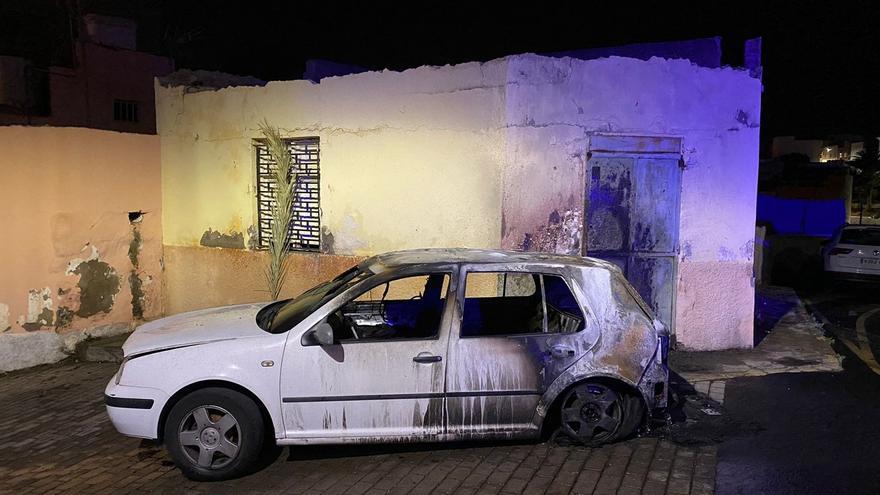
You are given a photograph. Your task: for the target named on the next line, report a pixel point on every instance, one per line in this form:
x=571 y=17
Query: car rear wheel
x=593 y=413
x=214 y=434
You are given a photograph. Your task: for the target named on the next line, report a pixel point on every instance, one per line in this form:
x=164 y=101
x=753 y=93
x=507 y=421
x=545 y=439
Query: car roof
x=445 y=256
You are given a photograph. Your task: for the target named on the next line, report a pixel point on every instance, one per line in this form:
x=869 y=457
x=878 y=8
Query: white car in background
x=423 y=345
x=853 y=253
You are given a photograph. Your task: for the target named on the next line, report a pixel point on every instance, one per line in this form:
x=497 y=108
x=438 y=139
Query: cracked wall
x=408 y=160
x=474 y=155
x=70 y=248
x=554 y=106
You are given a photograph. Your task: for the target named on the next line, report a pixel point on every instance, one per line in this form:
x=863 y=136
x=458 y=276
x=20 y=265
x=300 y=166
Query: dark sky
x=821 y=59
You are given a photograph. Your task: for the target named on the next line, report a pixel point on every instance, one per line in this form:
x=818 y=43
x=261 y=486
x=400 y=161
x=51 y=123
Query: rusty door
x=633 y=195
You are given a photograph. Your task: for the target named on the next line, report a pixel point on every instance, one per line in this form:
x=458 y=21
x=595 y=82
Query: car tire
x=594 y=413
x=634 y=412
x=215 y=434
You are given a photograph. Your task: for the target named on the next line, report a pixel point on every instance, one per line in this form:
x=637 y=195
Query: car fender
x=624 y=359
x=253 y=364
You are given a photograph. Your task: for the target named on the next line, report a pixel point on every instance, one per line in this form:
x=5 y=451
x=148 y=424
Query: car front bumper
x=134 y=411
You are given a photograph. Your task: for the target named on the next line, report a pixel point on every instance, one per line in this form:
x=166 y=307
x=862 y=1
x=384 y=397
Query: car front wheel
x=214 y=434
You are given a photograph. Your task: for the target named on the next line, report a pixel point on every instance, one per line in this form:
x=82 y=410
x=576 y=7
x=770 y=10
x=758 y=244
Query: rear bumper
x=134 y=411
x=853 y=276
x=654 y=384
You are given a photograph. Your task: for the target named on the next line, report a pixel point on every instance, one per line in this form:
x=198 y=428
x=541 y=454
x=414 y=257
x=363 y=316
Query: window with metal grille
x=125 y=110
x=305 y=224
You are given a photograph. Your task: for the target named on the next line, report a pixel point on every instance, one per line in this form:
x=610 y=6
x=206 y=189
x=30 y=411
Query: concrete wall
x=71 y=261
x=408 y=160
x=474 y=155
x=553 y=106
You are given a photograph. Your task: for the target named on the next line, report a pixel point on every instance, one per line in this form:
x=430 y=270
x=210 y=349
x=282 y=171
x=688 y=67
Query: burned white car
x=423 y=345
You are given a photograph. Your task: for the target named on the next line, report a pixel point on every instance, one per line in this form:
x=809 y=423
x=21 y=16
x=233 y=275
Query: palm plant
x=285 y=183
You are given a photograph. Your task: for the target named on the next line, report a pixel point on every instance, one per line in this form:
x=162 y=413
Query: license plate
x=870 y=261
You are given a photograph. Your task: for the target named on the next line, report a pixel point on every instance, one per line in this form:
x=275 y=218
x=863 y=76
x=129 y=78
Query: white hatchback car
x=423 y=345
x=853 y=253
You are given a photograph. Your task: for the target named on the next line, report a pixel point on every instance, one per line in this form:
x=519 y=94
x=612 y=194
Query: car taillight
x=839 y=251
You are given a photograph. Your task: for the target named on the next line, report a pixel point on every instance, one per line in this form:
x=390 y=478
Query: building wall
x=477 y=155
x=408 y=160
x=554 y=105
x=70 y=259
x=83 y=96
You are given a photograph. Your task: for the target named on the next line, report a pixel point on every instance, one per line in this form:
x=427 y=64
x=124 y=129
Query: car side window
x=409 y=307
x=515 y=303
x=564 y=314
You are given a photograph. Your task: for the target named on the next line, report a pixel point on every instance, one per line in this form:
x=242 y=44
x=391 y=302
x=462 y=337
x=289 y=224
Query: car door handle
x=423 y=358
x=561 y=351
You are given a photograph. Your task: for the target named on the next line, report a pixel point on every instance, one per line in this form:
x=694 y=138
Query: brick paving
x=56 y=438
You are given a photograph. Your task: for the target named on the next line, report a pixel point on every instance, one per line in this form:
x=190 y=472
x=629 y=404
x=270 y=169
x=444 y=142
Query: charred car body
x=422 y=345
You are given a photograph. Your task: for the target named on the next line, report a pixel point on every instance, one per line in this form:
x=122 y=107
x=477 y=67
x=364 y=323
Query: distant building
x=833 y=148
x=109 y=85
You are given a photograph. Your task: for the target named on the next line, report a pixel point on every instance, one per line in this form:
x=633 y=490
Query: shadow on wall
x=769 y=309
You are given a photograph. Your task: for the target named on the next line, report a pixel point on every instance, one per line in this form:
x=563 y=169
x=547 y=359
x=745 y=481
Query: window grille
x=304 y=233
x=125 y=110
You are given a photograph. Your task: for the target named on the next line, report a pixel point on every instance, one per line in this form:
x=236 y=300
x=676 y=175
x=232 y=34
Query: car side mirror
x=323 y=333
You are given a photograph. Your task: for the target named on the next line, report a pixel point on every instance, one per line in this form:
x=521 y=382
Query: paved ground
x=56 y=438
x=788 y=340
x=812 y=432
x=851 y=313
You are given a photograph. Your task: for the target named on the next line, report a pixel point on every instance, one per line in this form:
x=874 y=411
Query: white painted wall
x=475 y=155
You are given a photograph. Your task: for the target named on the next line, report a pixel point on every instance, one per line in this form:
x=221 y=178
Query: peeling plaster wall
x=66 y=259
x=553 y=105
x=408 y=160
x=235 y=276
x=473 y=155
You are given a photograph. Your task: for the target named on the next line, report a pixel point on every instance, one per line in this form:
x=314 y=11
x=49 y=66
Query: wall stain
x=327 y=241
x=134 y=247
x=253 y=238
x=39 y=313
x=98 y=285
x=135 y=284
x=63 y=317
x=725 y=254
x=215 y=238
x=744 y=118
x=561 y=234
x=44 y=319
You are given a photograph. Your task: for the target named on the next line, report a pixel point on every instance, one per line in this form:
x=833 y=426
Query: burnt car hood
x=196 y=327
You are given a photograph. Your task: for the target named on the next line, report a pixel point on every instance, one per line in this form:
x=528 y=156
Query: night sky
x=821 y=59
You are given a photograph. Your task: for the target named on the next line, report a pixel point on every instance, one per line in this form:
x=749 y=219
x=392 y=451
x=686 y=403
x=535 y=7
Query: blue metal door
x=633 y=190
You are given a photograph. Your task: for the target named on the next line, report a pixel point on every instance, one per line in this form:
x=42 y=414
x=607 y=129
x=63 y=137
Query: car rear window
x=860 y=236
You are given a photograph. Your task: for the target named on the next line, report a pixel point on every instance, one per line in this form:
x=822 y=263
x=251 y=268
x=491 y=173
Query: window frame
x=295 y=242
x=358 y=292
x=126 y=108
x=467 y=269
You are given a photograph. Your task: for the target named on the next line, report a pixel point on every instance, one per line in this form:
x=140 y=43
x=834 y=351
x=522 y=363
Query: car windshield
x=861 y=236
x=281 y=316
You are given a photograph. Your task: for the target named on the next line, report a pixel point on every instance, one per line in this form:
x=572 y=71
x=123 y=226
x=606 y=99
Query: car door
x=513 y=333
x=384 y=376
